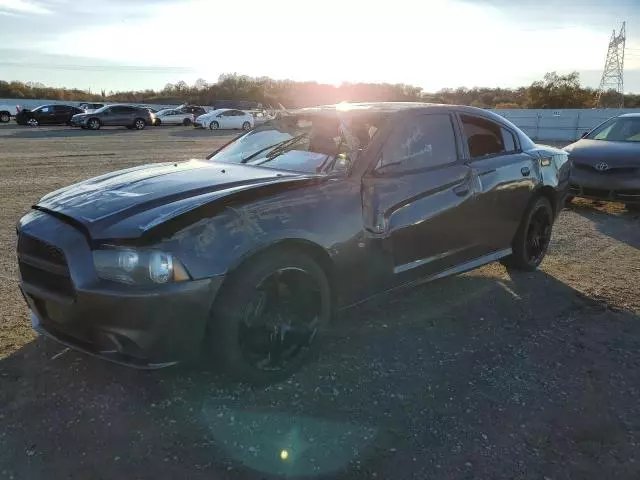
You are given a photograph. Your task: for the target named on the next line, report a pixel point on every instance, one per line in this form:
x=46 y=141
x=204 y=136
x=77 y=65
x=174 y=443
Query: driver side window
x=420 y=142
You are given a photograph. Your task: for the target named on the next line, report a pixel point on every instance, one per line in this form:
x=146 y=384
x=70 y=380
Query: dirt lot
x=492 y=374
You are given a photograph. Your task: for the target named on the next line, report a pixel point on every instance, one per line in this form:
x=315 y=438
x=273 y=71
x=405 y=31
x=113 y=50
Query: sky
x=434 y=44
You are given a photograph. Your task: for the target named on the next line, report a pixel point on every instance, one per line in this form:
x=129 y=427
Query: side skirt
x=463 y=267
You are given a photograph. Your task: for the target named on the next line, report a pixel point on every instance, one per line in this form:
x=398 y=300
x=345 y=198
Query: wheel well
x=550 y=194
x=313 y=250
x=5 y=111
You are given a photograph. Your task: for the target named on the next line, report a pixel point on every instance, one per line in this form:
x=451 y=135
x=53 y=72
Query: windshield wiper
x=275 y=146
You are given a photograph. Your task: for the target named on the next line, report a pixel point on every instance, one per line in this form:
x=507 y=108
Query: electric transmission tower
x=613 y=74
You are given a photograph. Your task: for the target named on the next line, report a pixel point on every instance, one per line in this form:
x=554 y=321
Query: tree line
x=553 y=91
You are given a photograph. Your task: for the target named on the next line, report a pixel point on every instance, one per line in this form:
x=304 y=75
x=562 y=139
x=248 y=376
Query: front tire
x=33 y=122
x=186 y=122
x=158 y=122
x=269 y=317
x=139 y=124
x=531 y=242
x=94 y=124
x=214 y=126
x=246 y=126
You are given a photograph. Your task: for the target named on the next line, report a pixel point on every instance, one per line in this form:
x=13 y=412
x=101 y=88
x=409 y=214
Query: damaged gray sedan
x=246 y=255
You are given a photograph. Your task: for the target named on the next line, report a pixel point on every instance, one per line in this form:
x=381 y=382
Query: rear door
x=61 y=114
x=506 y=178
x=418 y=199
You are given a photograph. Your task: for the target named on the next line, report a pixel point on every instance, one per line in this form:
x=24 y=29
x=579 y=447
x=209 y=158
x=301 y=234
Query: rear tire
x=186 y=122
x=94 y=124
x=33 y=122
x=214 y=126
x=531 y=241
x=5 y=117
x=268 y=319
x=139 y=124
x=246 y=126
x=158 y=122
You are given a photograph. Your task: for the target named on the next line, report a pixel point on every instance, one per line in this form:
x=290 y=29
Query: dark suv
x=114 y=116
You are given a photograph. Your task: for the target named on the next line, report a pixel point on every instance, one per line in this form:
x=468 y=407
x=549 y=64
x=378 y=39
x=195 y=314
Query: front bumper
x=78 y=122
x=609 y=185
x=127 y=325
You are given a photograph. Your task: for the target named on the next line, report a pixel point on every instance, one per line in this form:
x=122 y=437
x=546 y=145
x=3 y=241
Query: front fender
x=324 y=216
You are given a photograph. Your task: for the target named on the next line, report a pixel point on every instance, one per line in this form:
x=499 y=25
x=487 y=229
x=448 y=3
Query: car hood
x=128 y=203
x=615 y=154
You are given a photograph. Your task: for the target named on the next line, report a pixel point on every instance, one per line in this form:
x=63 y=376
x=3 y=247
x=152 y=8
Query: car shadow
x=440 y=379
x=39 y=132
x=612 y=220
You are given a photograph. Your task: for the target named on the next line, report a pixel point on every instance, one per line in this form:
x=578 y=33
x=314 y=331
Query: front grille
x=44 y=266
x=595 y=192
x=28 y=245
x=628 y=194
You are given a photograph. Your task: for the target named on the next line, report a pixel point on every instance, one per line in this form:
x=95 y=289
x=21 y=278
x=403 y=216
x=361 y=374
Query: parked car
x=7 y=111
x=195 y=110
x=90 y=107
x=247 y=254
x=606 y=162
x=225 y=118
x=172 y=116
x=115 y=115
x=47 y=115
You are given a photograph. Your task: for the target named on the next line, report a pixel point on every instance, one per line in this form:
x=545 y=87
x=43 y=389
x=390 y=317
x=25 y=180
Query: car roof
x=396 y=108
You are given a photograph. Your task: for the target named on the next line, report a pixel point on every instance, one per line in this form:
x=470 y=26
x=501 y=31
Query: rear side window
x=123 y=109
x=420 y=142
x=484 y=137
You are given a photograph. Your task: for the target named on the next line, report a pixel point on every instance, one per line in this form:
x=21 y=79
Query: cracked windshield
x=345 y=240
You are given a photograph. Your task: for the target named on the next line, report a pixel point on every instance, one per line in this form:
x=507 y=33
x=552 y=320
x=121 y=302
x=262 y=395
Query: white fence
x=561 y=125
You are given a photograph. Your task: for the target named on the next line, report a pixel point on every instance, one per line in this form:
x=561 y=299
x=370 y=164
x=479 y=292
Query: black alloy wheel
x=532 y=239
x=281 y=319
x=267 y=321
x=538 y=236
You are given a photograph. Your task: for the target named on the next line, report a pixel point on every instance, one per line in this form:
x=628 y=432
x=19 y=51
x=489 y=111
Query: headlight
x=138 y=266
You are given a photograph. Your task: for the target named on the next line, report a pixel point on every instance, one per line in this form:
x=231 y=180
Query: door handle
x=462 y=190
x=525 y=171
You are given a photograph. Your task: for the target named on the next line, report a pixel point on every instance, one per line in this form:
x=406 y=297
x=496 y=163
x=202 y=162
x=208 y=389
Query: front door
x=417 y=200
x=506 y=180
x=109 y=116
x=46 y=115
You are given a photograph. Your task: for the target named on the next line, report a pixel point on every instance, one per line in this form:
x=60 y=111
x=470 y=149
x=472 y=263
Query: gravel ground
x=491 y=374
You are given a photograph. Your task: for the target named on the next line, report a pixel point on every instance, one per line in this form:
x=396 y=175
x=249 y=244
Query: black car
x=47 y=115
x=606 y=162
x=246 y=255
x=115 y=116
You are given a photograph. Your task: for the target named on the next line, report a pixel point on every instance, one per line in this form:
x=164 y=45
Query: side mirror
x=584 y=134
